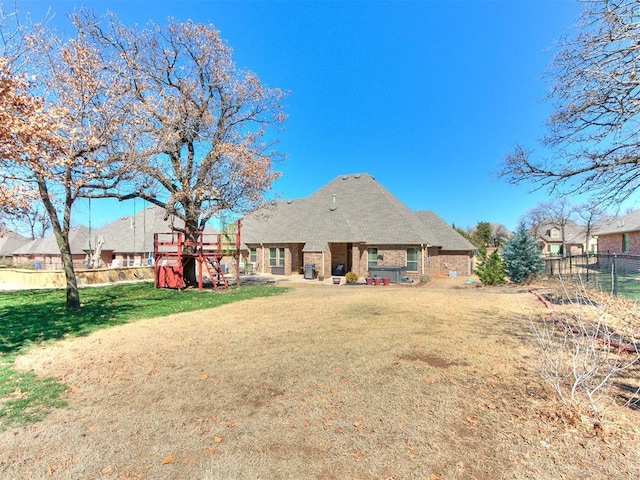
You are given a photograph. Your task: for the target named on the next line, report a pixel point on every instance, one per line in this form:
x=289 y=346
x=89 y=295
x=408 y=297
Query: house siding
x=612 y=243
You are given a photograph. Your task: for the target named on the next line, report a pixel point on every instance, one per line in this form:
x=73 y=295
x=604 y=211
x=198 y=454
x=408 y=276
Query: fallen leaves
x=168 y=460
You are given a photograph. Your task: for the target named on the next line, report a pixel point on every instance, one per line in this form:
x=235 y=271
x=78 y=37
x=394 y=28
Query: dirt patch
x=431 y=360
x=322 y=382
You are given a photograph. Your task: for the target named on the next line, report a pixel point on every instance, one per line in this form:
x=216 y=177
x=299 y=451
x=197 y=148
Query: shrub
x=587 y=349
x=351 y=277
x=490 y=268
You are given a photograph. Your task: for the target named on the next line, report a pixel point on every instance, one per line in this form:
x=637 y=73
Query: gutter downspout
x=262 y=262
x=323 y=275
x=422 y=263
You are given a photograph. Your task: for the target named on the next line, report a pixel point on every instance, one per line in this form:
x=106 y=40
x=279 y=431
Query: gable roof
x=350 y=208
x=134 y=233
x=48 y=245
x=10 y=241
x=573 y=232
x=621 y=224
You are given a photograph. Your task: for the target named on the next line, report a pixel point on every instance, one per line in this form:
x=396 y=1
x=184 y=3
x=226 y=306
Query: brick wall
x=338 y=252
x=613 y=243
x=437 y=263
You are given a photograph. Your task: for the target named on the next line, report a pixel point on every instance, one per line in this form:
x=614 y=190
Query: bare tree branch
x=592 y=134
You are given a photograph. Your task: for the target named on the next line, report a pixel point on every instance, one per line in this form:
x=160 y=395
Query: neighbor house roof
x=10 y=241
x=622 y=224
x=573 y=232
x=134 y=233
x=48 y=245
x=350 y=208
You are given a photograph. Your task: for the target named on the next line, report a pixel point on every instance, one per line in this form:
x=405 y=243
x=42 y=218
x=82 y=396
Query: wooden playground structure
x=174 y=252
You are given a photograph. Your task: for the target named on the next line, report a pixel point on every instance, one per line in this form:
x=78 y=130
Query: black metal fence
x=614 y=273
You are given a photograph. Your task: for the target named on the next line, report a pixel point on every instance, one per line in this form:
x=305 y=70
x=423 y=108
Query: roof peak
x=347 y=176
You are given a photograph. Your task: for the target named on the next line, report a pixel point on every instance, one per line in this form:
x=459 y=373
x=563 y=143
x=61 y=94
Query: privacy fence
x=618 y=274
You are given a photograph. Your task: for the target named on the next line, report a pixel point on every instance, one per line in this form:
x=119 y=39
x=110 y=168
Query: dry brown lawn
x=323 y=382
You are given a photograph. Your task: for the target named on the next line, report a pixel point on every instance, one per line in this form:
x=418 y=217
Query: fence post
x=614 y=274
x=586 y=262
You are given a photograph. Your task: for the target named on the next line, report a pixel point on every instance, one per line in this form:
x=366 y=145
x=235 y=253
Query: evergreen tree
x=482 y=234
x=490 y=268
x=522 y=260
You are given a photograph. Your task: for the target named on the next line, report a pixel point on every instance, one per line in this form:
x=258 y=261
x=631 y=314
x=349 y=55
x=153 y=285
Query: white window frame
x=276 y=256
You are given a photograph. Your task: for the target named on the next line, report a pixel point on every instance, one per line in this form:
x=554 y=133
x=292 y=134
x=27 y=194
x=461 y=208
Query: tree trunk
x=61 y=233
x=189 y=263
x=73 y=296
x=189 y=272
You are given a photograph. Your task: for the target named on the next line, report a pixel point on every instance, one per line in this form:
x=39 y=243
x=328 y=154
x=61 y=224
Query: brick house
x=128 y=241
x=125 y=242
x=619 y=234
x=44 y=253
x=353 y=224
x=549 y=238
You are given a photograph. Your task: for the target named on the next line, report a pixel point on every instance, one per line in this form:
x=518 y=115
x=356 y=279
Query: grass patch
x=32 y=317
x=628 y=285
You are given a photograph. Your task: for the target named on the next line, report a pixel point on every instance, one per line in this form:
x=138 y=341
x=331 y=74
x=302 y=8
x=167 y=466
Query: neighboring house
x=44 y=252
x=125 y=242
x=549 y=238
x=9 y=242
x=352 y=224
x=619 y=234
x=128 y=241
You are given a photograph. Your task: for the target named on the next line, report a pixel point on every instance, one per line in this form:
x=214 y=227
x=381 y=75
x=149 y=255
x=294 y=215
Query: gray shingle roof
x=133 y=233
x=48 y=245
x=10 y=241
x=620 y=224
x=350 y=208
x=572 y=231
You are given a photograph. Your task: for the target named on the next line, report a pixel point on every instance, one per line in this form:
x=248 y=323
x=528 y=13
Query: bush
x=351 y=277
x=490 y=268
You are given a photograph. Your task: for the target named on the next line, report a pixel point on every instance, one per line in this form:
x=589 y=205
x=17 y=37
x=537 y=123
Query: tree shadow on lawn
x=39 y=316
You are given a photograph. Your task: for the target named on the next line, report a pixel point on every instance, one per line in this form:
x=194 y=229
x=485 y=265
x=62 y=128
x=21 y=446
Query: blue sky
x=426 y=96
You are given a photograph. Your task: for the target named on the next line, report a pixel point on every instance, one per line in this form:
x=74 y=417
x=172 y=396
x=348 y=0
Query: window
x=372 y=257
x=555 y=233
x=625 y=242
x=253 y=255
x=553 y=249
x=276 y=257
x=412 y=259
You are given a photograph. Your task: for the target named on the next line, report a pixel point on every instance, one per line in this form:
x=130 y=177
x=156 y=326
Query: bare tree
x=31 y=219
x=592 y=134
x=534 y=219
x=499 y=234
x=561 y=213
x=558 y=212
x=201 y=142
x=590 y=213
